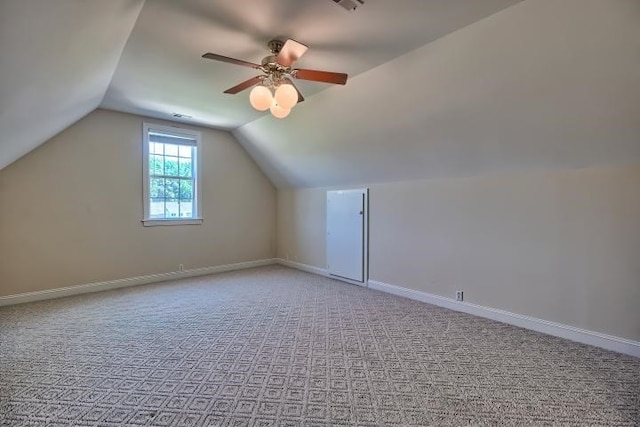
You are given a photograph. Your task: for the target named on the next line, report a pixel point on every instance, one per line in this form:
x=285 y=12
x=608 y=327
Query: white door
x=346 y=234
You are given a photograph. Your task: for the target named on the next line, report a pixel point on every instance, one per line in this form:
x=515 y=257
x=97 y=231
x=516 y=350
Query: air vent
x=350 y=5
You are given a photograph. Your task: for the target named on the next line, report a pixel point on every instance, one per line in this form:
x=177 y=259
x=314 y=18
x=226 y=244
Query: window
x=171 y=176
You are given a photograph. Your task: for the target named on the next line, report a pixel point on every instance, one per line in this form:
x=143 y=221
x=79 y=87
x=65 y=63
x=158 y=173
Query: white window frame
x=197 y=204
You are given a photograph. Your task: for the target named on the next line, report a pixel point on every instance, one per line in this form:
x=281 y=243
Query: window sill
x=155 y=222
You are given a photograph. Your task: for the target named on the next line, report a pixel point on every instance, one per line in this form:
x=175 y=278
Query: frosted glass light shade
x=286 y=96
x=279 y=111
x=260 y=98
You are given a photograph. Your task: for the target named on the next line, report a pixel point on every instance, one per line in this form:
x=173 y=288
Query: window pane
x=186 y=189
x=171 y=174
x=171 y=166
x=156 y=190
x=156 y=207
x=172 y=188
x=156 y=164
x=156 y=148
x=172 y=208
x=170 y=149
x=185 y=168
x=184 y=151
x=186 y=208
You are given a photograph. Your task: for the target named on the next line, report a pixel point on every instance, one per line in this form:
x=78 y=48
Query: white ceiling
x=545 y=84
x=56 y=61
x=59 y=57
x=437 y=88
x=161 y=70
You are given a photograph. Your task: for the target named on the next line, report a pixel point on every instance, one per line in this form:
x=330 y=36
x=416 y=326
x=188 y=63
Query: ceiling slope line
x=47 y=89
x=121 y=50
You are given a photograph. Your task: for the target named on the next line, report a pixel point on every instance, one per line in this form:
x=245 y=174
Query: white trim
x=182 y=221
x=609 y=342
x=131 y=281
x=304 y=267
x=347 y=280
x=365 y=236
x=197 y=174
x=316 y=270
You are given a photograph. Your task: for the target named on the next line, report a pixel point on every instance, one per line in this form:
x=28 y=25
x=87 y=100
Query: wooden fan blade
x=321 y=76
x=290 y=52
x=244 y=85
x=300 y=97
x=217 y=57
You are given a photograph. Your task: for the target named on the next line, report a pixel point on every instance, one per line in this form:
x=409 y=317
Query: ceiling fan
x=277 y=76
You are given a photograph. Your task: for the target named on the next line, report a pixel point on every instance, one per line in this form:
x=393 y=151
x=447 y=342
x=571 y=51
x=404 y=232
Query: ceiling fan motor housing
x=271 y=59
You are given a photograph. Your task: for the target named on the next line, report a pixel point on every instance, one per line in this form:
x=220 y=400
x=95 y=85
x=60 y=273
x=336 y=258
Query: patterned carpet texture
x=277 y=347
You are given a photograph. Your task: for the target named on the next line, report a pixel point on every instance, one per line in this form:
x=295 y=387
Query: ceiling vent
x=350 y=5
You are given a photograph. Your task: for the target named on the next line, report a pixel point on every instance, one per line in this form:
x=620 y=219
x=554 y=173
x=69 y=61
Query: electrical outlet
x=180 y=267
x=459 y=296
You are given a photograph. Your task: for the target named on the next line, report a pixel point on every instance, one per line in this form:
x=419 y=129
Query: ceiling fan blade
x=300 y=97
x=290 y=52
x=321 y=76
x=244 y=85
x=217 y=57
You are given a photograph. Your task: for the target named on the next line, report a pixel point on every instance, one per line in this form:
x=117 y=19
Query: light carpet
x=277 y=347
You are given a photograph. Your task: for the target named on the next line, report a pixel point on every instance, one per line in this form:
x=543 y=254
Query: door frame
x=365 y=243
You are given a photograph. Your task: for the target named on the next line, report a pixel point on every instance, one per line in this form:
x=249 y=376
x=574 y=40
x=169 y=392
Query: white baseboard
x=304 y=267
x=316 y=270
x=609 y=342
x=131 y=281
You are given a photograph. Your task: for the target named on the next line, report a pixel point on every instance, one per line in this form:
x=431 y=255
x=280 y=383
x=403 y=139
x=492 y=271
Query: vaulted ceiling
x=161 y=70
x=437 y=88
x=61 y=59
x=542 y=85
x=57 y=59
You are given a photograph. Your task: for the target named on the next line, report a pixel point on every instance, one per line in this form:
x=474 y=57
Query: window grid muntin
x=154 y=149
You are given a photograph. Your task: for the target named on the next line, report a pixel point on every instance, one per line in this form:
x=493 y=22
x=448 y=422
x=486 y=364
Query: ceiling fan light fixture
x=261 y=98
x=279 y=111
x=286 y=96
x=278 y=73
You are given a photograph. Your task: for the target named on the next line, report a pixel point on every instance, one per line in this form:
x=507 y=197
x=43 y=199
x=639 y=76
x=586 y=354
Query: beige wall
x=561 y=246
x=70 y=211
x=301 y=226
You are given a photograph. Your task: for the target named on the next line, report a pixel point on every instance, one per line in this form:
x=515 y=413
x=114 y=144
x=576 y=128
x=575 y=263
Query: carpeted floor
x=277 y=347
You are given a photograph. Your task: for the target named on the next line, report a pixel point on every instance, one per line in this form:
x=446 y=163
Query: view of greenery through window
x=171 y=180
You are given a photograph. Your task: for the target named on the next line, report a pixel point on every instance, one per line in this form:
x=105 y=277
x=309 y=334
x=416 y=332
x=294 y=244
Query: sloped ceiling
x=542 y=84
x=161 y=70
x=57 y=59
x=437 y=88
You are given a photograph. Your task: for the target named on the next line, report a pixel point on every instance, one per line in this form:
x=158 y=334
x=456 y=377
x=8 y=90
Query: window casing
x=171 y=182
